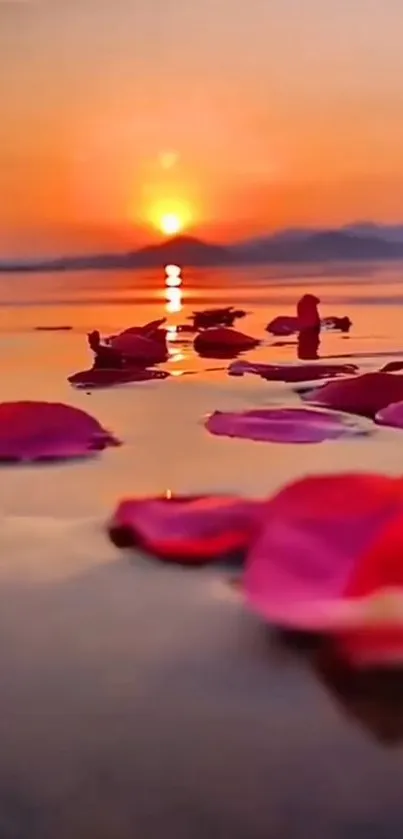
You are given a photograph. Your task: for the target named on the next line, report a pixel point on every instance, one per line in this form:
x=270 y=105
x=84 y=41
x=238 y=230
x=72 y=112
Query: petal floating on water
x=186 y=529
x=223 y=340
x=291 y=372
x=99 y=377
x=392 y=415
x=32 y=431
x=364 y=395
x=140 y=348
x=283 y=425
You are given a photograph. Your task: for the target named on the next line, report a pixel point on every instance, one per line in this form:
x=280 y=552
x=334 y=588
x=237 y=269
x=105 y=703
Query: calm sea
x=117 y=298
x=142 y=700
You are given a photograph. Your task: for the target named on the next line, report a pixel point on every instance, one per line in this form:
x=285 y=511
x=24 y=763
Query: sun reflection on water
x=173 y=305
x=173 y=277
x=173 y=297
x=172 y=333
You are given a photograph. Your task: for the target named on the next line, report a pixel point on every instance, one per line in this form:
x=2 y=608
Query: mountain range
x=359 y=241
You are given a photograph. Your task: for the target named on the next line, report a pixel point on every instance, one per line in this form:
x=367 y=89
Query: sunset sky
x=239 y=116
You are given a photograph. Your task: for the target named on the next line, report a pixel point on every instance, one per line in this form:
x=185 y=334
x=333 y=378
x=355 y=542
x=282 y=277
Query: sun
x=170 y=224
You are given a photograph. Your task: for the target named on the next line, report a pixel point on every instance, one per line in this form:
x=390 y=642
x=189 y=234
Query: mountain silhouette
x=388 y=232
x=318 y=246
x=184 y=250
x=355 y=242
x=336 y=245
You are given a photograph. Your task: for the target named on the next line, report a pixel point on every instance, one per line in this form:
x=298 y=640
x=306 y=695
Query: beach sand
x=141 y=700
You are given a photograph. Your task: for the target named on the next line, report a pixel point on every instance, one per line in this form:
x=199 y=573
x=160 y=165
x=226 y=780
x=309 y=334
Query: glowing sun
x=171 y=224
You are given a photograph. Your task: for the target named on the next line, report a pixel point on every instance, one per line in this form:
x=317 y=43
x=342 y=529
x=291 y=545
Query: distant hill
x=336 y=245
x=360 y=241
x=183 y=250
x=387 y=232
x=287 y=236
x=321 y=246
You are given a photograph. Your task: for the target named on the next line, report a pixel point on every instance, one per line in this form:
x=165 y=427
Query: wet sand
x=144 y=700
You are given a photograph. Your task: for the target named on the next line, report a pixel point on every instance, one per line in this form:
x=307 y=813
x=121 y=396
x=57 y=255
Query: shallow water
x=138 y=699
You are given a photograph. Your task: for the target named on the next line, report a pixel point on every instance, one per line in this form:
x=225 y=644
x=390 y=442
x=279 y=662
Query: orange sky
x=245 y=116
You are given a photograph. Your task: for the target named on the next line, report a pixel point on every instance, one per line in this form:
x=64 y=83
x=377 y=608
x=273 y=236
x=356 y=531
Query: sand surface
x=140 y=700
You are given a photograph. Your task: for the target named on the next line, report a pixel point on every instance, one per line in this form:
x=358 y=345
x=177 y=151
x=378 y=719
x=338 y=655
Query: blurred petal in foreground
x=188 y=530
x=330 y=559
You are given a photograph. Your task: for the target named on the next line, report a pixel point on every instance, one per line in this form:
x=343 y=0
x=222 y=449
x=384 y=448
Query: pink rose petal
x=283 y=325
x=48 y=430
x=140 y=348
x=364 y=395
x=392 y=415
x=330 y=559
x=188 y=530
x=282 y=425
x=223 y=340
x=151 y=330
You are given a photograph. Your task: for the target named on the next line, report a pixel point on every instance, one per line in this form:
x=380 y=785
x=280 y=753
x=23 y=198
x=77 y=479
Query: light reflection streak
x=173 y=297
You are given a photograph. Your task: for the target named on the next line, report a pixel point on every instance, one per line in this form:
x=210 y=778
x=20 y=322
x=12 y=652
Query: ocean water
x=140 y=700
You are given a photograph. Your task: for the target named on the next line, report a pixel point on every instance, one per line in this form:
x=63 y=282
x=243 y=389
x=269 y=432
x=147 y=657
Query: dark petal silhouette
x=364 y=395
x=216 y=317
x=223 y=340
x=392 y=415
x=32 y=431
x=307 y=318
x=329 y=559
x=282 y=425
x=283 y=325
x=392 y=367
x=308 y=344
x=151 y=330
x=153 y=326
x=291 y=372
x=187 y=530
x=106 y=358
x=139 y=349
x=98 y=378
x=337 y=324
x=307 y=312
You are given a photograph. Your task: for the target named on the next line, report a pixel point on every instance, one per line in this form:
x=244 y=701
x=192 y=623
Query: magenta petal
x=48 y=430
x=364 y=395
x=139 y=348
x=187 y=530
x=392 y=415
x=282 y=425
x=283 y=325
x=312 y=568
x=239 y=368
x=224 y=338
x=151 y=330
